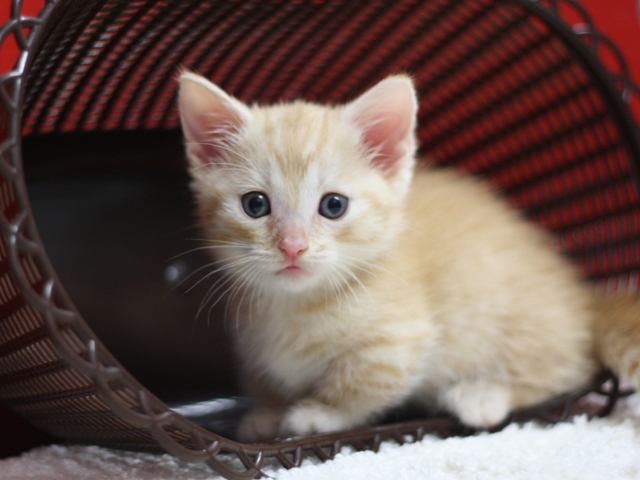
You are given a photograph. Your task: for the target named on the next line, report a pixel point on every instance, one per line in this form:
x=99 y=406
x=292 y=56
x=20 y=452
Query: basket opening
x=115 y=214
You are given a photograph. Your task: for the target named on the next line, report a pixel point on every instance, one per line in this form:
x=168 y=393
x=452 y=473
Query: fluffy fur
x=429 y=288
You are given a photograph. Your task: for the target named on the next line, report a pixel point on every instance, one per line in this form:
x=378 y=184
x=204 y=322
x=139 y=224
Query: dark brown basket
x=525 y=93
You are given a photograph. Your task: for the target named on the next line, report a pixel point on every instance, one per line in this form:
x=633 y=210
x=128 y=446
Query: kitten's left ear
x=210 y=119
x=386 y=116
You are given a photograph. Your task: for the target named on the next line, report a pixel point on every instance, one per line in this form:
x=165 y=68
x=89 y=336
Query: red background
x=619 y=20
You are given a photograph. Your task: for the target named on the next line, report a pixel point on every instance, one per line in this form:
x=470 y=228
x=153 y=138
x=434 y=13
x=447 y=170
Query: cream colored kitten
x=363 y=283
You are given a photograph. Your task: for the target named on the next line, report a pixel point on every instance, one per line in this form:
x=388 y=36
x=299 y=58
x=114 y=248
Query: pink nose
x=292 y=247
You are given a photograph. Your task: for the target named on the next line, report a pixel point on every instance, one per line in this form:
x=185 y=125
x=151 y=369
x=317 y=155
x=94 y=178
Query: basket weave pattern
x=509 y=91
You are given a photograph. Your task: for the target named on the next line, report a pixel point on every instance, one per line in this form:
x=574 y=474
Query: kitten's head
x=300 y=196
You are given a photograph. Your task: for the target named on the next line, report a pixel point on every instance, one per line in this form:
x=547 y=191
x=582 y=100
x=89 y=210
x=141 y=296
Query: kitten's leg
x=486 y=404
x=353 y=391
x=311 y=416
x=262 y=423
x=479 y=403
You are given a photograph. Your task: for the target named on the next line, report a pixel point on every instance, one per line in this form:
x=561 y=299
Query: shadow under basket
x=93 y=193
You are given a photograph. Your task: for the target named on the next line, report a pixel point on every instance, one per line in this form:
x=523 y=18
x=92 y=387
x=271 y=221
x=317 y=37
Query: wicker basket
x=516 y=91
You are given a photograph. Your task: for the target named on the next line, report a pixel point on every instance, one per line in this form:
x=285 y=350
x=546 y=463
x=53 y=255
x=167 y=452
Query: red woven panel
x=503 y=93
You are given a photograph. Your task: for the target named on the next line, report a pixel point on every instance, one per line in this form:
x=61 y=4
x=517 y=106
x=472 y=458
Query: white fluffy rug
x=598 y=449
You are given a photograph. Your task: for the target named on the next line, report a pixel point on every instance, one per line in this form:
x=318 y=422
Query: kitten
x=362 y=283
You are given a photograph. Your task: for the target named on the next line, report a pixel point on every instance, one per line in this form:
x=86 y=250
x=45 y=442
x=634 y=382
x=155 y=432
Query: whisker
x=362 y=285
x=242 y=277
x=210 y=293
x=356 y=263
x=260 y=288
x=205 y=247
x=341 y=286
x=219 y=284
x=339 y=290
x=184 y=280
x=226 y=266
x=223 y=294
x=245 y=286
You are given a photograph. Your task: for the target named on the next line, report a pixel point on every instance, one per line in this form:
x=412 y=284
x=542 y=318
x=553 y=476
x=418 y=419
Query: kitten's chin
x=294 y=278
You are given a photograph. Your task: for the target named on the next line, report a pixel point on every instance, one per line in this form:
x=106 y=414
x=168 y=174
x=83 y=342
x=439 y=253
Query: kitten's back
x=500 y=295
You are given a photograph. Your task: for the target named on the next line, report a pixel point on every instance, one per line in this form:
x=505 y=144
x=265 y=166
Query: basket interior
x=125 y=246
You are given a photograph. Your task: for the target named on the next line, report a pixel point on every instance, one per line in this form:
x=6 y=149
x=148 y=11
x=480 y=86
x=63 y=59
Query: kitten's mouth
x=293 y=271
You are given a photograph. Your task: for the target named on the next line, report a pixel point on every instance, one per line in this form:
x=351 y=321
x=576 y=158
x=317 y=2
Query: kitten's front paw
x=259 y=425
x=308 y=417
x=479 y=404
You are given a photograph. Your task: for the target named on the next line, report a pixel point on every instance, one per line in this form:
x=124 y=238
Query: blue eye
x=256 y=204
x=333 y=205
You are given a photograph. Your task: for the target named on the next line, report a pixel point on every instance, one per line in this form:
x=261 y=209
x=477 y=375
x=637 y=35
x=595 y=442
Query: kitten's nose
x=293 y=247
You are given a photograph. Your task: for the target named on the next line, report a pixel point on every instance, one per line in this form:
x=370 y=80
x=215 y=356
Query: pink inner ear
x=209 y=121
x=386 y=114
x=387 y=135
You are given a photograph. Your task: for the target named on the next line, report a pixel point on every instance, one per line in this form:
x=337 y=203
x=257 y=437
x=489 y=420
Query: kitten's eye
x=333 y=205
x=256 y=204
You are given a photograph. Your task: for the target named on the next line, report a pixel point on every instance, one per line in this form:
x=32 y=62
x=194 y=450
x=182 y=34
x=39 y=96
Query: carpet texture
x=601 y=448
